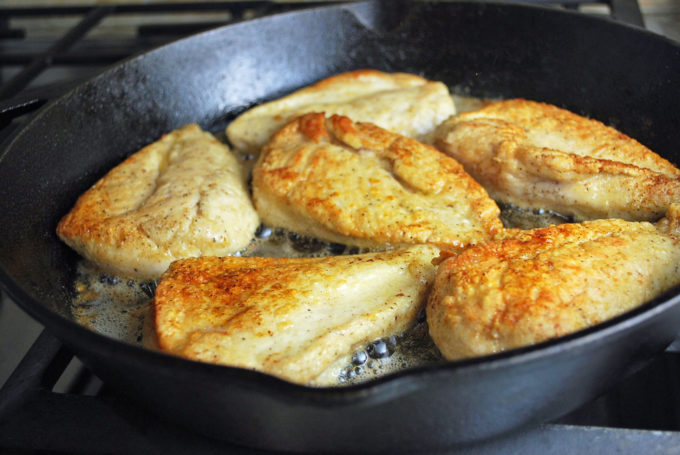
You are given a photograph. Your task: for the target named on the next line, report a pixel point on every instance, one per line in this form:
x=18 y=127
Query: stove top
x=51 y=403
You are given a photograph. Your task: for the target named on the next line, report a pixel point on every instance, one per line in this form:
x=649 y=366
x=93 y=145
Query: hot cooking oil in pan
x=122 y=308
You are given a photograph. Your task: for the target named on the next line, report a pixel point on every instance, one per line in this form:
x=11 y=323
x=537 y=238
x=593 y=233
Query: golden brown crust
x=403 y=103
x=291 y=317
x=358 y=184
x=184 y=195
x=544 y=283
x=537 y=155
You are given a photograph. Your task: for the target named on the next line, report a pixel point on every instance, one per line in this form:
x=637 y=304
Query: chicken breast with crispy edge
x=181 y=196
x=358 y=184
x=544 y=283
x=289 y=317
x=535 y=155
x=404 y=103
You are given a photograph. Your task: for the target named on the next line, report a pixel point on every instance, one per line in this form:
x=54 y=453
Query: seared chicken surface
x=181 y=196
x=358 y=184
x=536 y=155
x=346 y=160
x=402 y=103
x=540 y=284
x=290 y=317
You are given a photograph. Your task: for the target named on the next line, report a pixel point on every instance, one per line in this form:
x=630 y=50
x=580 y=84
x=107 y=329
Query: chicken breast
x=358 y=184
x=402 y=103
x=181 y=196
x=289 y=317
x=535 y=155
x=540 y=284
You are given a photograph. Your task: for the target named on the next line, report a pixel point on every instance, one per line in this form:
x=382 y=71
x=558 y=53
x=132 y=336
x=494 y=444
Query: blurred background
x=660 y=16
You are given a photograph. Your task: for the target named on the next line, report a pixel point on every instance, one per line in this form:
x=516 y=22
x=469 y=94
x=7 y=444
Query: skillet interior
x=622 y=76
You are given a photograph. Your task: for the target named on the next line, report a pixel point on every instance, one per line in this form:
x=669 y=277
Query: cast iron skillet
x=621 y=75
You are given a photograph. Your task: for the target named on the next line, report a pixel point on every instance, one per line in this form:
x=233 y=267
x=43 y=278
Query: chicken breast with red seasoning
x=535 y=155
x=289 y=317
x=402 y=103
x=540 y=284
x=358 y=184
x=182 y=196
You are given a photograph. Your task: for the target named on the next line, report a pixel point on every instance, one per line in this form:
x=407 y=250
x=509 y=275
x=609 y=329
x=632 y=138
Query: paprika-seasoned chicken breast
x=289 y=317
x=358 y=184
x=181 y=196
x=536 y=155
x=402 y=103
x=544 y=283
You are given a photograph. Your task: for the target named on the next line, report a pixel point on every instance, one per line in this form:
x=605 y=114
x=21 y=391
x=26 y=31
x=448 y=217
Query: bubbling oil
x=123 y=308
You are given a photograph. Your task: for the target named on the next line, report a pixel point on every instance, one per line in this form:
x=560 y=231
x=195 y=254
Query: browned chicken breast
x=402 y=103
x=181 y=196
x=290 y=317
x=535 y=155
x=544 y=283
x=357 y=184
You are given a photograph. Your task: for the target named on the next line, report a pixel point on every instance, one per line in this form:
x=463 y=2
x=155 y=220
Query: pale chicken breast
x=540 y=284
x=402 y=103
x=536 y=155
x=289 y=317
x=358 y=184
x=181 y=196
